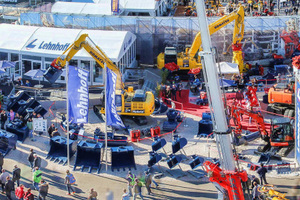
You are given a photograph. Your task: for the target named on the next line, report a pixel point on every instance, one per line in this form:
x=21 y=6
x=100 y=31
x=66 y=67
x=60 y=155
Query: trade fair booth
x=36 y=47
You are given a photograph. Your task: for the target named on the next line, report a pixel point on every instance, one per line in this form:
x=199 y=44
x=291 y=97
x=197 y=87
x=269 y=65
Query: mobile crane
x=128 y=102
x=189 y=59
x=228 y=179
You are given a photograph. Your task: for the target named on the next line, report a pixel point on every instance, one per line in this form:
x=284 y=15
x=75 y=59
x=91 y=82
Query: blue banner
x=112 y=117
x=297 y=133
x=78 y=95
x=115 y=6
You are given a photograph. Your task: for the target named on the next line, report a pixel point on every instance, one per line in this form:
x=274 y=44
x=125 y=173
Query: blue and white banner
x=78 y=95
x=112 y=117
x=297 y=131
x=115 y=6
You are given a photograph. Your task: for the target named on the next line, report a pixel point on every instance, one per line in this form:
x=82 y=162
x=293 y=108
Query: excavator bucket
x=18 y=129
x=173 y=161
x=14 y=99
x=88 y=155
x=196 y=162
x=122 y=157
x=8 y=141
x=158 y=144
x=178 y=144
x=52 y=74
x=205 y=127
x=58 y=149
x=154 y=158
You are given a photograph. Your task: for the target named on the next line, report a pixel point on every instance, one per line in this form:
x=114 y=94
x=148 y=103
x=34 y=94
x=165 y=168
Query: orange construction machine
x=281 y=98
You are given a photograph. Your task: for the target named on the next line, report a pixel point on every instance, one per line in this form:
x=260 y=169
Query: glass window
x=98 y=73
x=26 y=66
x=49 y=59
x=27 y=57
x=85 y=65
x=17 y=69
x=3 y=56
x=73 y=62
x=14 y=57
x=118 y=101
x=36 y=65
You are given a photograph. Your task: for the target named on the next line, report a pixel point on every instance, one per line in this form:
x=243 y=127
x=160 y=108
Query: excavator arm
x=99 y=56
x=238 y=32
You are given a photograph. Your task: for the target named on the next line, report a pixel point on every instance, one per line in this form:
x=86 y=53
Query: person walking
x=3 y=117
x=51 y=129
x=148 y=181
x=174 y=91
x=3 y=177
x=125 y=195
x=28 y=195
x=92 y=195
x=131 y=181
x=30 y=158
x=137 y=189
x=1 y=160
x=179 y=88
x=37 y=177
x=43 y=190
x=254 y=179
x=262 y=174
x=16 y=175
x=37 y=161
x=9 y=187
x=69 y=181
x=20 y=192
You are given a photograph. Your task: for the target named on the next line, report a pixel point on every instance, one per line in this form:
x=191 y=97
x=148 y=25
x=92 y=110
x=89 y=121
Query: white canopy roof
x=229 y=68
x=51 y=42
x=101 y=8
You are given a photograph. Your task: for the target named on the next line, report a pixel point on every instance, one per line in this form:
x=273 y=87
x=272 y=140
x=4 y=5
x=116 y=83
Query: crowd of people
x=173 y=90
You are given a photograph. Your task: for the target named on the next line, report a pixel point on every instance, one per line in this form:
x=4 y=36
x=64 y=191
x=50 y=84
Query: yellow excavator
x=137 y=103
x=189 y=59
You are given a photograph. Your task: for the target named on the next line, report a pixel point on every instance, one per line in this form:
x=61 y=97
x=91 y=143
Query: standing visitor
x=93 y=195
x=29 y=124
x=3 y=117
x=262 y=173
x=37 y=177
x=69 y=181
x=28 y=195
x=11 y=115
x=51 y=129
x=148 y=181
x=37 y=161
x=130 y=178
x=137 y=189
x=31 y=158
x=20 y=192
x=125 y=195
x=16 y=175
x=1 y=160
x=3 y=177
x=9 y=187
x=43 y=190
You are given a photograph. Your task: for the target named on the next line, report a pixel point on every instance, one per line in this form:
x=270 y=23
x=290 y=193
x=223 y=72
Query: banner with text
x=115 y=6
x=112 y=117
x=297 y=131
x=78 y=95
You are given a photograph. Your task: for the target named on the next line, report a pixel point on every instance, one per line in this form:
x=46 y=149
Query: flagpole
x=67 y=88
x=105 y=102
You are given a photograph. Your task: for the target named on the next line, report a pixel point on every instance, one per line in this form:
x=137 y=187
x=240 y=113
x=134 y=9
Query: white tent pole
x=67 y=88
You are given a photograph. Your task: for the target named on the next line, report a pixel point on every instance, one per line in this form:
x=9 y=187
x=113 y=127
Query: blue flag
x=78 y=95
x=112 y=117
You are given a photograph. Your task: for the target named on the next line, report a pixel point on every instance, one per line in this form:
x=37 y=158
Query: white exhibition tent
x=229 y=68
x=51 y=42
x=103 y=7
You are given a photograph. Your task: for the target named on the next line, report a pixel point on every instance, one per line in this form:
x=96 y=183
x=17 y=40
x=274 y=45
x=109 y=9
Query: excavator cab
x=282 y=134
x=170 y=55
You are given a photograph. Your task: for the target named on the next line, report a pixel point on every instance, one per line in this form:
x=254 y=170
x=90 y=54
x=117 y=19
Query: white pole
x=105 y=75
x=67 y=88
x=214 y=93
